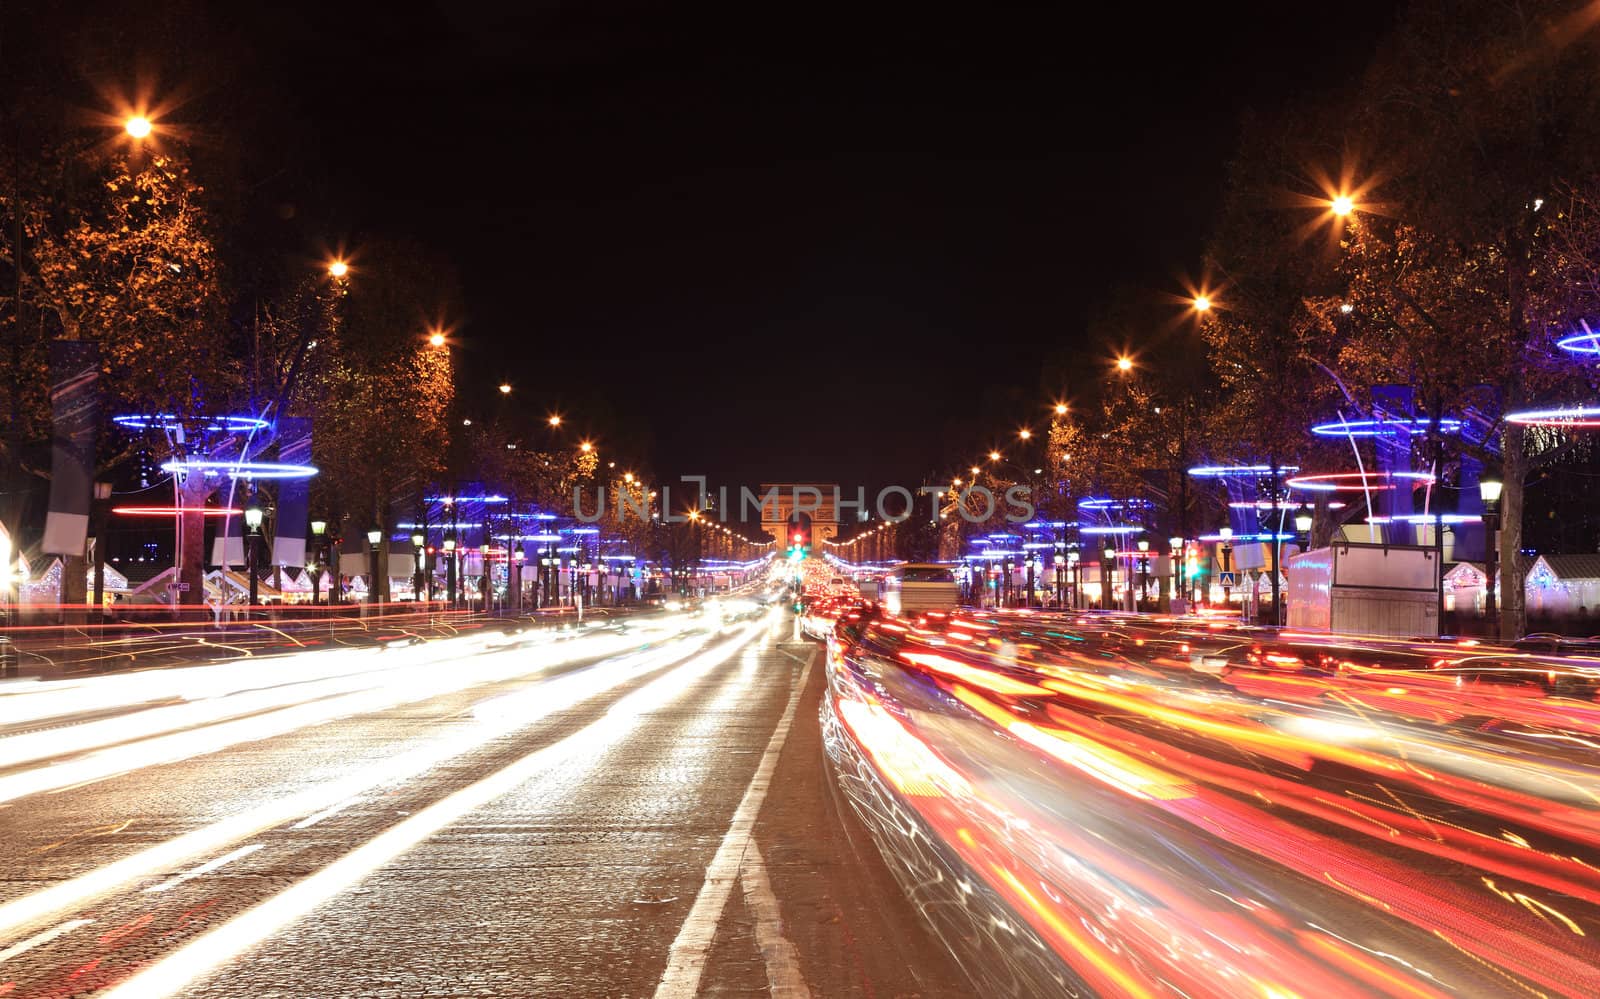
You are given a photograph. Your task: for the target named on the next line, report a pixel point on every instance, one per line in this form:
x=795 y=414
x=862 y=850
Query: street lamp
x=252 y=522
x=1227 y=565
x=450 y=567
x=436 y=339
x=138 y=126
x=1302 y=525
x=338 y=269
x=319 y=528
x=1175 y=546
x=102 y=493
x=374 y=536
x=1144 y=571
x=1489 y=491
x=8 y=659
x=419 y=542
x=1342 y=205
x=1107 y=567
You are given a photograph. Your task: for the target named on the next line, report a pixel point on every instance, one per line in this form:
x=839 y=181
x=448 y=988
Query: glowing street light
x=338 y=269
x=555 y=420
x=1124 y=364
x=436 y=339
x=1061 y=409
x=1025 y=433
x=505 y=388
x=1202 y=303
x=586 y=447
x=994 y=455
x=137 y=126
x=1342 y=205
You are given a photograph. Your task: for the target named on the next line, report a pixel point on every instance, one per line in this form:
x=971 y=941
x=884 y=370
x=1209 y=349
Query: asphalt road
x=635 y=814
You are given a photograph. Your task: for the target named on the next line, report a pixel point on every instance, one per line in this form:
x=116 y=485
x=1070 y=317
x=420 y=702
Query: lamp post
x=1107 y=566
x=1144 y=571
x=8 y=657
x=319 y=529
x=374 y=538
x=450 y=567
x=1175 y=550
x=1227 y=566
x=1061 y=576
x=419 y=543
x=1489 y=492
x=1302 y=527
x=1076 y=583
x=252 y=523
x=102 y=493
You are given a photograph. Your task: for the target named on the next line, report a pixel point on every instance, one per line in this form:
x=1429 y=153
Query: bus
x=919 y=586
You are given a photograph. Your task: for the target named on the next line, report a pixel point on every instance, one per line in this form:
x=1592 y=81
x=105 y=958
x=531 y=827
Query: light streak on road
x=210 y=950
x=557 y=694
x=164 y=735
x=1171 y=811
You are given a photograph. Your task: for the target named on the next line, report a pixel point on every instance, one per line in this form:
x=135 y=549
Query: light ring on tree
x=1103 y=503
x=1266 y=506
x=1229 y=471
x=1563 y=416
x=242 y=469
x=174 y=511
x=171 y=421
x=1332 y=482
x=1382 y=428
x=1580 y=343
x=1112 y=529
x=1429 y=518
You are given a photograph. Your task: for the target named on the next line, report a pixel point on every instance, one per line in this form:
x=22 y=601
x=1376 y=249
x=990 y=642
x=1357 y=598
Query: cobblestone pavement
x=537 y=826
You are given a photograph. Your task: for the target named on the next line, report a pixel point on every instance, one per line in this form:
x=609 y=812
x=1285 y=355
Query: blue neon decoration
x=242 y=469
x=171 y=421
x=1225 y=471
x=1587 y=342
x=1379 y=428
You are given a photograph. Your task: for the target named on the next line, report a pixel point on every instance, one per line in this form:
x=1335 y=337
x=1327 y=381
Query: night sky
x=831 y=241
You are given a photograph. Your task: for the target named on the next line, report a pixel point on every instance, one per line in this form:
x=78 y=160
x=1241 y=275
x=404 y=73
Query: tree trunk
x=192 y=533
x=1513 y=602
x=74 y=584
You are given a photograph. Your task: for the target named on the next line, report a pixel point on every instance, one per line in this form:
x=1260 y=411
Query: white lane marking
x=784 y=980
x=686 y=961
x=204 y=953
x=205 y=868
x=39 y=939
x=326 y=813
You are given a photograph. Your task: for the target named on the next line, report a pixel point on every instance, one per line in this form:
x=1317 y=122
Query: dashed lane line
x=686 y=961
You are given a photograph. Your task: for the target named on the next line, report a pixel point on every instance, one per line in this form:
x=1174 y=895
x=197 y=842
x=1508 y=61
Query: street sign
x=181 y=587
x=1227 y=579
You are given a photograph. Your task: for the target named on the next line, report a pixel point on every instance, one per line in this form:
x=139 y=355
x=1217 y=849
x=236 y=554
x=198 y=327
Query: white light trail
x=210 y=950
x=171 y=854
